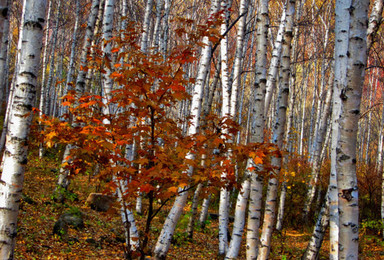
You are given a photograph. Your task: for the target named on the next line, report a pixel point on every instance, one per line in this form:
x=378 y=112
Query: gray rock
x=99 y=201
x=73 y=218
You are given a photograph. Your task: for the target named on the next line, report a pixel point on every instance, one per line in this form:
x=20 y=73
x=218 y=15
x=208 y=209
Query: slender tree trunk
x=278 y=133
x=192 y=218
x=370 y=86
x=237 y=71
x=303 y=110
x=144 y=48
x=44 y=100
x=274 y=64
x=239 y=223
x=225 y=111
x=92 y=75
x=107 y=82
x=164 y=240
x=316 y=161
x=15 y=157
x=165 y=32
x=71 y=66
x=375 y=20
x=63 y=181
x=156 y=33
x=146 y=24
x=257 y=130
x=4 y=36
x=288 y=143
x=43 y=89
x=314 y=245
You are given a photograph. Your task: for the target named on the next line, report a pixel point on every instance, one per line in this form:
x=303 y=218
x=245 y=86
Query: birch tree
x=314 y=245
x=4 y=35
x=375 y=19
x=15 y=157
x=350 y=62
x=278 y=134
x=275 y=61
x=63 y=181
x=164 y=240
x=241 y=204
x=316 y=161
x=225 y=111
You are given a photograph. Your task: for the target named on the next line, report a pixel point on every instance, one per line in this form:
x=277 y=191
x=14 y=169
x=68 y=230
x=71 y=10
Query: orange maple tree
x=143 y=107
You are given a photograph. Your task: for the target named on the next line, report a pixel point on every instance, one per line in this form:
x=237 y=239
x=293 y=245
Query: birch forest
x=191 y=129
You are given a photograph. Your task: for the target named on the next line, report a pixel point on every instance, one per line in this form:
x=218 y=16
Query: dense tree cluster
x=166 y=101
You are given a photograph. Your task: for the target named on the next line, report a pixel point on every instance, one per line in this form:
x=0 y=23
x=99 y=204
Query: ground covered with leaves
x=103 y=237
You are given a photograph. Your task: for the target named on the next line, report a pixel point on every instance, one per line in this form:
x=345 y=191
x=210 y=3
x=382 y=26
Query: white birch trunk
x=144 y=49
x=63 y=182
x=288 y=143
x=90 y=74
x=204 y=211
x=15 y=156
x=107 y=82
x=374 y=22
x=146 y=24
x=350 y=99
x=257 y=130
x=341 y=48
x=43 y=88
x=44 y=104
x=195 y=201
x=368 y=120
x=225 y=111
x=303 y=110
x=237 y=70
x=164 y=36
x=71 y=66
x=314 y=245
x=156 y=33
x=254 y=214
x=239 y=223
x=278 y=134
x=81 y=76
x=165 y=237
x=316 y=161
x=351 y=29
x=379 y=165
x=126 y=215
x=275 y=61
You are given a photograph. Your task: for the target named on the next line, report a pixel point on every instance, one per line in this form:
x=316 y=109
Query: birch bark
x=375 y=20
x=278 y=133
x=71 y=66
x=257 y=130
x=351 y=29
x=15 y=156
x=314 y=245
x=63 y=181
x=316 y=161
x=4 y=35
x=164 y=240
x=225 y=111
x=275 y=61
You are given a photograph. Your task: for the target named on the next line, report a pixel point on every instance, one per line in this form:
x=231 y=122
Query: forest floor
x=102 y=237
